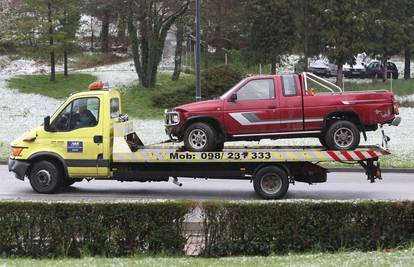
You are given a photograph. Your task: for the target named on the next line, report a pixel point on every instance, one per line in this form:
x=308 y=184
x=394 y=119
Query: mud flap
x=372 y=169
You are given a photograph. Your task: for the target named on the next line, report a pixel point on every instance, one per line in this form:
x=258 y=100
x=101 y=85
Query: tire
x=322 y=140
x=68 y=182
x=342 y=135
x=200 y=137
x=220 y=146
x=45 y=177
x=271 y=182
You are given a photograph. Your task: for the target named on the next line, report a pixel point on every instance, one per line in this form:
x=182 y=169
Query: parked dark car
x=376 y=70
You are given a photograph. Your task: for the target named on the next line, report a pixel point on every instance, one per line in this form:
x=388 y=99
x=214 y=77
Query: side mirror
x=46 y=124
x=233 y=98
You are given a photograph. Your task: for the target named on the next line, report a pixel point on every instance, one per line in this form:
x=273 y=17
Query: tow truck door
x=78 y=138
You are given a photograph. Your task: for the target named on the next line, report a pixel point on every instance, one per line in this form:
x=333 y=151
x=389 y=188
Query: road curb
x=396 y=170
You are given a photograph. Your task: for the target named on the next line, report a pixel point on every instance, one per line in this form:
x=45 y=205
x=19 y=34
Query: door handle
x=98 y=139
x=271 y=107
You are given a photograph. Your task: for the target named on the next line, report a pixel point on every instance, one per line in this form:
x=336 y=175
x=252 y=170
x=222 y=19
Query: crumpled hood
x=202 y=105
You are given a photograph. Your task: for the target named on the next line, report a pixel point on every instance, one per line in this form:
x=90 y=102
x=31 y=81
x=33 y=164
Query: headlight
x=175 y=118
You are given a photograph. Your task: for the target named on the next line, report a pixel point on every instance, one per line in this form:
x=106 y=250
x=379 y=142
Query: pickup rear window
x=289 y=85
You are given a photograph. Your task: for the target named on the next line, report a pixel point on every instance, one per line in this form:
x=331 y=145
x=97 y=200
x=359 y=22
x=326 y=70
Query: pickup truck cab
x=282 y=106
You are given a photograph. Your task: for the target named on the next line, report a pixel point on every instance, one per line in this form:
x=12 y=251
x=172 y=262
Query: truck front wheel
x=271 y=182
x=342 y=135
x=200 y=137
x=45 y=177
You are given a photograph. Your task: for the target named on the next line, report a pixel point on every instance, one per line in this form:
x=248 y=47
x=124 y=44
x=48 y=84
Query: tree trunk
x=105 y=29
x=385 y=73
x=135 y=48
x=65 y=63
x=178 y=52
x=340 y=75
x=273 y=68
x=407 y=63
x=92 y=35
x=51 y=42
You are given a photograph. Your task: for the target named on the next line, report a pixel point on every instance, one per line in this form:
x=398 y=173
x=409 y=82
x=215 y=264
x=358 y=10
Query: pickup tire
x=45 y=177
x=200 y=137
x=342 y=135
x=271 y=182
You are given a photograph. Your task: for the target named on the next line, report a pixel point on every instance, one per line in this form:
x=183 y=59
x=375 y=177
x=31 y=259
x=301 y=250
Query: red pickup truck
x=282 y=106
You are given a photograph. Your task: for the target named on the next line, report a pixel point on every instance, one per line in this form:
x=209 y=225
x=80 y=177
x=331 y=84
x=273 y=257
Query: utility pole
x=198 y=50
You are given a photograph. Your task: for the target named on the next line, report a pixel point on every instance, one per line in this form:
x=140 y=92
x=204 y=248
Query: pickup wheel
x=342 y=135
x=271 y=182
x=322 y=140
x=45 y=177
x=200 y=137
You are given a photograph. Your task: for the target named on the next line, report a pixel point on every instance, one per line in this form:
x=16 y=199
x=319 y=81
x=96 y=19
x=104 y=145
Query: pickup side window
x=114 y=104
x=260 y=89
x=289 y=85
x=80 y=113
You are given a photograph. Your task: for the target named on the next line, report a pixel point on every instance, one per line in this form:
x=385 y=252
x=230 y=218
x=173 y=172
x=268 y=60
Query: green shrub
x=214 y=82
x=273 y=228
x=75 y=229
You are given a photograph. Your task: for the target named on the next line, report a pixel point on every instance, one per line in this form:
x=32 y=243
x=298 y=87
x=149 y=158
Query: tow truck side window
x=80 y=113
x=114 y=103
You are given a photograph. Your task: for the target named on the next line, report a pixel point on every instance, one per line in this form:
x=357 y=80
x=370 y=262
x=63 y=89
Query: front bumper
x=18 y=167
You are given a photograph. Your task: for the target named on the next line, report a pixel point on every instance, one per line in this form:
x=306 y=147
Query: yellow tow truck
x=88 y=137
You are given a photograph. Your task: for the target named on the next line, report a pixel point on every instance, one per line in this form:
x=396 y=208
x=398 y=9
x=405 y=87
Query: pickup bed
x=282 y=106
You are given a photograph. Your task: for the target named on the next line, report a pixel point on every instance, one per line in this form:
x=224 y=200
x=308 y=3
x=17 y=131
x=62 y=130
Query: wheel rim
x=271 y=184
x=197 y=138
x=43 y=178
x=343 y=137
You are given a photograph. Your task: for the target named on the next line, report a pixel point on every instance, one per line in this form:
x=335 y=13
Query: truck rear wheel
x=271 y=182
x=200 y=137
x=342 y=135
x=45 y=177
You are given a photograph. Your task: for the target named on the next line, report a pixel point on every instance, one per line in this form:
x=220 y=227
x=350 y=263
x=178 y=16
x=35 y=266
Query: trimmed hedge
x=69 y=229
x=214 y=82
x=273 y=228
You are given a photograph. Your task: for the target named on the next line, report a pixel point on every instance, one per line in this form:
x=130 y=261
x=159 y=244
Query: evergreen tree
x=271 y=31
x=307 y=27
x=342 y=32
x=385 y=29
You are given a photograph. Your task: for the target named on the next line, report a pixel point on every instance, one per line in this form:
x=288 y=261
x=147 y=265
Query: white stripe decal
x=244 y=121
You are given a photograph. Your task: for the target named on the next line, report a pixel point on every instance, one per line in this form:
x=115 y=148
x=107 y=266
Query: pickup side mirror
x=46 y=124
x=233 y=98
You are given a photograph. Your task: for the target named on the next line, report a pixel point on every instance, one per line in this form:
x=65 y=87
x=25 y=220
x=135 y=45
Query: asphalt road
x=343 y=186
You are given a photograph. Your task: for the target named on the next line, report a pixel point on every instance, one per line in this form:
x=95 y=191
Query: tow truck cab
x=79 y=149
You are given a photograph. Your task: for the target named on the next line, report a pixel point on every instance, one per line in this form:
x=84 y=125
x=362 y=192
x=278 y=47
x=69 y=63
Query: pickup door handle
x=98 y=139
x=271 y=107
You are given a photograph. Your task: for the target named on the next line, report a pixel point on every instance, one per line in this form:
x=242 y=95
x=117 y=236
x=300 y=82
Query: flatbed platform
x=124 y=152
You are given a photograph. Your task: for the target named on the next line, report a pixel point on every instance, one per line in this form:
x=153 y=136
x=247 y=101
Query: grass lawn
x=136 y=99
x=4 y=151
x=61 y=88
x=377 y=259
x=400 y=87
